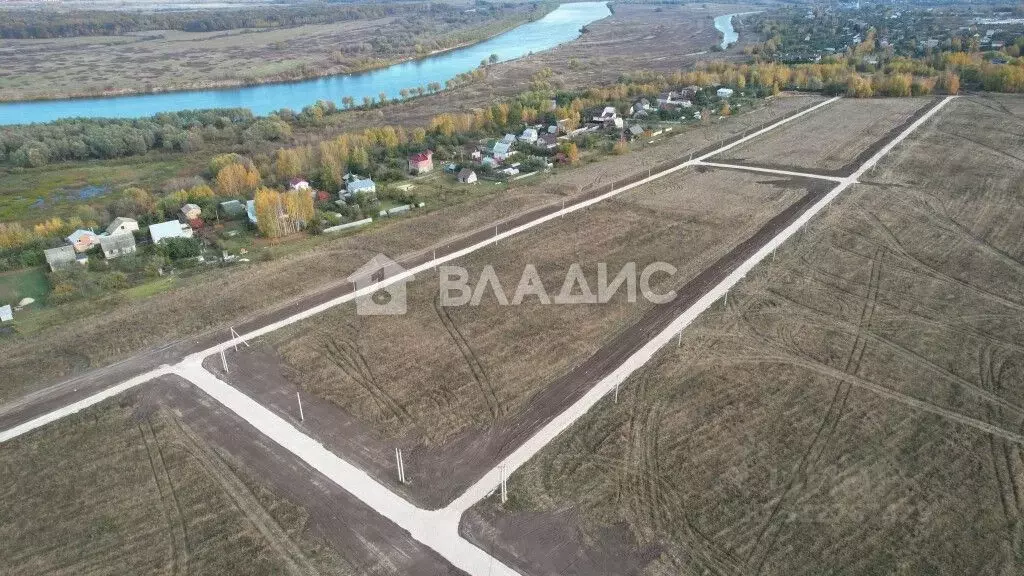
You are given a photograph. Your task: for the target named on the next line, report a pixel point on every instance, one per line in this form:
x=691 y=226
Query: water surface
x=560 y=26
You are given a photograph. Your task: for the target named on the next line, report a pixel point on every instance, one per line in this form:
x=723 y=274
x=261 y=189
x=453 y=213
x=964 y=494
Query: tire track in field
x=483 y=381
x=655 y=503
x=897 y=248
x=829 y=423
x=346 y=356
x=247 y=503
x=178 y=543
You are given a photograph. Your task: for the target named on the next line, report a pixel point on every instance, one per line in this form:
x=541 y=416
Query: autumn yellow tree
x=620 y=147
x=571 y=152
x=287 y=164
x=298 y=204
x=237 y=180
x=269 y=210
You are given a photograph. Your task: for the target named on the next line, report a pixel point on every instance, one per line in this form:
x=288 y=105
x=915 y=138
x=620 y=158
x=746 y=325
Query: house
x=689 y=92
x=548 y=141
x=529 y=136
x=553 y=129
x=509 y=138
x=250 y=211
x=122 y=225
x=607 y=115
x=191 y=212
x=725 y=92
x=82 y=240
x=232 y=208
x=510 y=171
x=117 y=245
x=476 y=154
x=502 y=150
x=60 y=257
x=298 y=184
x=169 y=229
x=467 y=176
x=488 y=161
x=636 y=131
x=6 y=315
x=617 y=122
x=421 y=162
x=641 y=104
x=670 y=98
x=359 y=186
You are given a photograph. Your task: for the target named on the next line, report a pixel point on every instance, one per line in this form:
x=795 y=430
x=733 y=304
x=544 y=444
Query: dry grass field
x=87 y=335
x=116 y=490
x=835 y=141
x=437 y=378
x=857 y=408
x=165 y=481
x=176 y=60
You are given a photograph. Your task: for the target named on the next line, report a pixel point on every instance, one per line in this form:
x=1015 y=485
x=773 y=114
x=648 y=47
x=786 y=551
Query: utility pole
x=400 y=465
x=302 y=417
x=223 y=361
x=504 y=486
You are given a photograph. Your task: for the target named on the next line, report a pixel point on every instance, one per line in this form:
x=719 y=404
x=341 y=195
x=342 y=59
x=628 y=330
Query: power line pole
x=302 y=417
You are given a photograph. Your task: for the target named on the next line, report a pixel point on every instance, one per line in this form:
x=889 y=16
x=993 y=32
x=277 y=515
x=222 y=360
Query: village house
x=467 y=176
x=62 y=257
x=488 y=161
x=547 y=141
x=117 y=245
x=421 y=162
x=82 y=240
x=232 y=208
x=6 y=315
x=636 y=131
x=359 y=186
x=502 y=150
x=529 y=136
x=298 y=184
x=509 y=138
x=191 y=212
x=607 y=115
x=122 y=225
x=169 y=229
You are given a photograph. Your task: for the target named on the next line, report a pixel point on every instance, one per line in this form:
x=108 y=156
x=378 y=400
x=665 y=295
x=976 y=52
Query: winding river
x=724 y=25
x=559 y=26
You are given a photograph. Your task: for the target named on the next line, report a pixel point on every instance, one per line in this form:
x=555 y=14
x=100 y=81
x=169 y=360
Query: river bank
x=560 y=25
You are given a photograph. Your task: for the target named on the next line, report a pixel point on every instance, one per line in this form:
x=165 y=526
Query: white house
x=122 y=225
x=117 y=245
x=62 y=257
x=508 y=138
x=529 y=136
x=298 y=184
x=502 y=150
x=467 y=176
x=607 y=114
x=169 y=229
x=6 y=315
x=360 y=186
x=725 y=92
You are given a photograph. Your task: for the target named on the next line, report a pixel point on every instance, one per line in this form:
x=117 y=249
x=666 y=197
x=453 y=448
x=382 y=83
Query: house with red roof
x=421 y=162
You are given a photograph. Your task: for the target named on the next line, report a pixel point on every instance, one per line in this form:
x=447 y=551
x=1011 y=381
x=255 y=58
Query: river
x=559 y=26
x=724 y=25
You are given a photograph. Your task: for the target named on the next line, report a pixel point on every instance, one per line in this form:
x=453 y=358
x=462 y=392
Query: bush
x=179 y=248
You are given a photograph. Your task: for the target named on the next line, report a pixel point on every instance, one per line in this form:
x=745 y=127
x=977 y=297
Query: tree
x=382 y=98
x=287 y=164
x=571 y=152
x=237 y=180
x=620 y=147
x=268 y=208
x=726 y=109
x=404 y=93
x=493 y=58
x=298 y=205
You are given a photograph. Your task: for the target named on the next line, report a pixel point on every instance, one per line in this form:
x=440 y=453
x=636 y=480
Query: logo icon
x=388 y=299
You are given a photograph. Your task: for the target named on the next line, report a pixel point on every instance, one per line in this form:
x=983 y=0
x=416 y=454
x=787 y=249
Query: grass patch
x=29 y=283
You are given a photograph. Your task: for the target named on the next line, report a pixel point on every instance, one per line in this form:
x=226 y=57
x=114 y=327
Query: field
x=71 y=339
x=175 y=60
x=856 y=408
x=162 y=481
x=28 y=283
x=834 y=143
x=452 y=383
